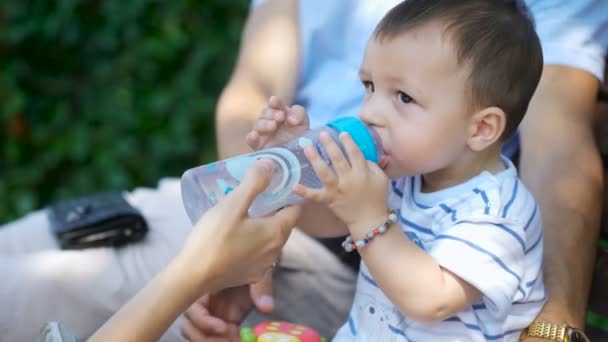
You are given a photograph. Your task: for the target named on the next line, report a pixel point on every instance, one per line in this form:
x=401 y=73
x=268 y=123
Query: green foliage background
x=108 y=94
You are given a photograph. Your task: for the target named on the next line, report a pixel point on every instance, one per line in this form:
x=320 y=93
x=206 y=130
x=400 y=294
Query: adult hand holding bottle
x=226 y=248
x=218 y=316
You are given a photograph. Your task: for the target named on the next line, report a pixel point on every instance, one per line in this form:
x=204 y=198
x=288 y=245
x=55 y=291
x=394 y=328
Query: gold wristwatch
x=554 y=332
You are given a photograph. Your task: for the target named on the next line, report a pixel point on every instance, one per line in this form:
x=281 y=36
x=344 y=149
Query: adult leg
x=83 y=288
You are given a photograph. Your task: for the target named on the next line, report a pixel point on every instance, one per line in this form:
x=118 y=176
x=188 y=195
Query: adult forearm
x=567 y=182
x=150 y=313
x=267 y=65
x=561 y=165
x=237 y=110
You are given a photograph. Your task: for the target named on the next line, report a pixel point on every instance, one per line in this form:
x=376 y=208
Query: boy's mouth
x=383 y=161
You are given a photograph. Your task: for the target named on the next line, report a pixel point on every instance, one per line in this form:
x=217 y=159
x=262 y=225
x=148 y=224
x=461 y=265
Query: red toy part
x=276 y=331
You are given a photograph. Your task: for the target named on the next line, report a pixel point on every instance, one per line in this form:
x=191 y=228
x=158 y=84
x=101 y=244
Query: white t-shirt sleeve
x=573 y=33
x=489 y=256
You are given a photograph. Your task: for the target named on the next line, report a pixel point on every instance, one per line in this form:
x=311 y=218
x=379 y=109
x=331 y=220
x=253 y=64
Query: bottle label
x=286 y=174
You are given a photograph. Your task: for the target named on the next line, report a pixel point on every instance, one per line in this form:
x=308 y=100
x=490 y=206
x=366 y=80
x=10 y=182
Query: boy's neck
x=464 y=168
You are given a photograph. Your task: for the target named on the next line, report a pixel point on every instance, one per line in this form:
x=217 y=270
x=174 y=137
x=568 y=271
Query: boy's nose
x=371 y=115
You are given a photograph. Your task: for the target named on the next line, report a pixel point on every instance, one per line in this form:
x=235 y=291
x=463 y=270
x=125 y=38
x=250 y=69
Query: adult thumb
x=255 y=181
x=262 y=293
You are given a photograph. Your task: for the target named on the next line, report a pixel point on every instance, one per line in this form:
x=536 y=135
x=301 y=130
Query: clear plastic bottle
x=203 y=186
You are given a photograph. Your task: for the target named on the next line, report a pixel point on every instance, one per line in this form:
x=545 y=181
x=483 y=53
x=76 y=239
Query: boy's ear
x=486 y=128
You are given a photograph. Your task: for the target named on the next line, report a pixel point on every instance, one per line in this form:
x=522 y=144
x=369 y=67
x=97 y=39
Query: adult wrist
x=559 y=313
x=197 y=280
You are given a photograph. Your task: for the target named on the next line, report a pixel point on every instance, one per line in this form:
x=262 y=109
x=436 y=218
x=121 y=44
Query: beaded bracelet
x=349 y=245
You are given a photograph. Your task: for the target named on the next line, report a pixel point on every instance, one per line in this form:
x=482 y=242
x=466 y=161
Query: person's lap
x=84 y=288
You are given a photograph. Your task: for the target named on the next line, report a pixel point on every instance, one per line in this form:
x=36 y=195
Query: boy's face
x=416 y=100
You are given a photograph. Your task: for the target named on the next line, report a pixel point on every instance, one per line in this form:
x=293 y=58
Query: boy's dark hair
x=496 y=38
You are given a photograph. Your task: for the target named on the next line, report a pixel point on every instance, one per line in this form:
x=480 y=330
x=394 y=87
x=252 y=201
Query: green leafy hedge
x=108 y=93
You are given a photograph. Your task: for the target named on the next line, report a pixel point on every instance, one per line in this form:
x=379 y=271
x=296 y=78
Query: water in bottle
x=202 y=187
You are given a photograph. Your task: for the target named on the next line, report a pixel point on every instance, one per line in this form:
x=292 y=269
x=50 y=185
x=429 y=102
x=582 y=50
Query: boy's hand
x=277 y=124
x=356 y=192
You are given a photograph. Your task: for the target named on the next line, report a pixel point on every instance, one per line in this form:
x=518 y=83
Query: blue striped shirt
x=488 y=232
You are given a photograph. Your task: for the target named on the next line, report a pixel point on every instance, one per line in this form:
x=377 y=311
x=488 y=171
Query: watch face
x=576 y=335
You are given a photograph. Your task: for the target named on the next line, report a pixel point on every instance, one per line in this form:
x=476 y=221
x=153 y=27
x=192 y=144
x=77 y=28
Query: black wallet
x=101 y=219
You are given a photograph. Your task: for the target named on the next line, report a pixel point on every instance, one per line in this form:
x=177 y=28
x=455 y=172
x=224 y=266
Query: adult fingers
x=198 y=318
x=193 y=334
x=255 y=181
x=262 y=293
x=287 y=218
x=283 y=220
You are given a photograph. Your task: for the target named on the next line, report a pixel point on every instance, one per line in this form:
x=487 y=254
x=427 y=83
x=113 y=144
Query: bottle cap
x=360 y=133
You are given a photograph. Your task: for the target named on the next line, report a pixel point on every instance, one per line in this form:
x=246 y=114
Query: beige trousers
x=82 y=289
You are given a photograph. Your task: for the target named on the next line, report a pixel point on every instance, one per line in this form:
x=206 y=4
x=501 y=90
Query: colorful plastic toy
x=278 y=331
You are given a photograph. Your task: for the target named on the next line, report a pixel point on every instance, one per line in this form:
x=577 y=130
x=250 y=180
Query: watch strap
x=549 y=331
x=553 y=332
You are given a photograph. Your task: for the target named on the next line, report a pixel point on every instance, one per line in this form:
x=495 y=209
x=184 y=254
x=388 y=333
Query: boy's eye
x=405 y=98
x=369 y=86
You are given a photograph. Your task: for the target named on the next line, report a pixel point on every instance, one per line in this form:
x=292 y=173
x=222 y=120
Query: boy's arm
x=412 y=279
x=318 y=220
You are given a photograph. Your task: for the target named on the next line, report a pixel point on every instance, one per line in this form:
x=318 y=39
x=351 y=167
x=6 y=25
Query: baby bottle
x=203 y=186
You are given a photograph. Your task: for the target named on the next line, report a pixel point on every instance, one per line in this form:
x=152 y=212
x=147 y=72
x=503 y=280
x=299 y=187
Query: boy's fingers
x=357 y=160
x=339 y=162
x=375 y=169
x=315 y=195
x=273 y=114
x=296 y=115
x=267 y=113
x=265 y=126
x=276 y=103
x=278 y=116
x=253 y=139
x=325 y=174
